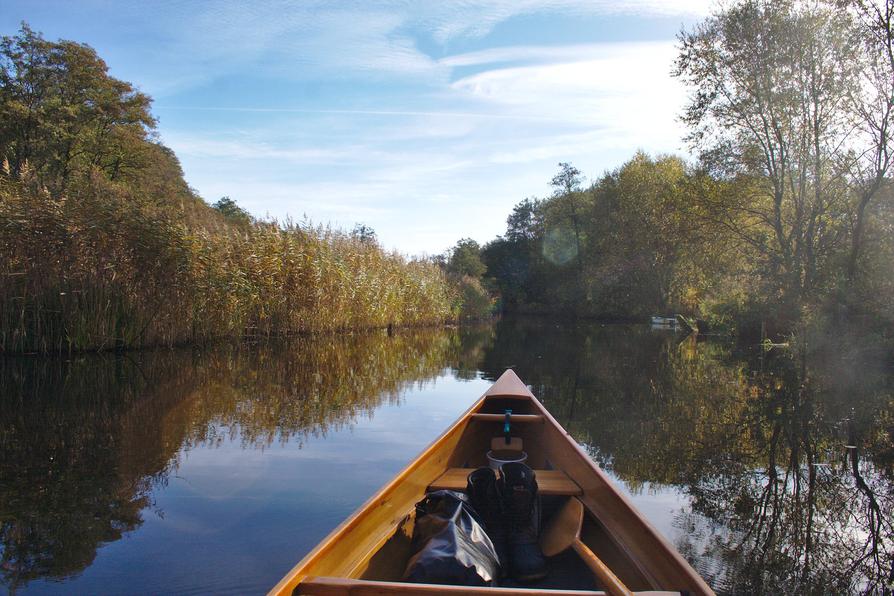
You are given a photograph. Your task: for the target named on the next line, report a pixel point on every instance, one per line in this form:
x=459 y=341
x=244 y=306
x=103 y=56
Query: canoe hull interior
x=368 y=552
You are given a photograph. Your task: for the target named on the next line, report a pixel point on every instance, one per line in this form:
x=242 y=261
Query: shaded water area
x=215 y=470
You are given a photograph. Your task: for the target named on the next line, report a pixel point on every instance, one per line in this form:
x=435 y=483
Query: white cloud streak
x=443 y=147
x=201 y=41
x=574 y=103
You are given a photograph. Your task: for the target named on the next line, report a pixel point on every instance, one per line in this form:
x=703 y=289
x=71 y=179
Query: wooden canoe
x=367 y=553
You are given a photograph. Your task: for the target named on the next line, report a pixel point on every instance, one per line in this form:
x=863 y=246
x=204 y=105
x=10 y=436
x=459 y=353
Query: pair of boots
x=510 y=508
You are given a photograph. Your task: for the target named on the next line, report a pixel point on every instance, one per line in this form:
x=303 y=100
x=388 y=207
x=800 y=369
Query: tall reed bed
x=104 y=269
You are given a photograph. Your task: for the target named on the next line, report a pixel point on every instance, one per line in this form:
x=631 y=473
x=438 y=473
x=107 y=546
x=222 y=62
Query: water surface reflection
x=94 y=448
x=770 y=471
x=215 y=470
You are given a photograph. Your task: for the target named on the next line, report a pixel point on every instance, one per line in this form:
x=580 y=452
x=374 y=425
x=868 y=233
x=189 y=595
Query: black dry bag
x=449 y=543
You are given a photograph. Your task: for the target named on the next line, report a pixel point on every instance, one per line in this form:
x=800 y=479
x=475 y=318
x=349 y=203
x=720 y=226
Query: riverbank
x=104 y=245
x=105 y=268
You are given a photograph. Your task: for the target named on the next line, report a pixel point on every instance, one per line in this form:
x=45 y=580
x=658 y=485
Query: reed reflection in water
x=219 y=465
x=216 y=470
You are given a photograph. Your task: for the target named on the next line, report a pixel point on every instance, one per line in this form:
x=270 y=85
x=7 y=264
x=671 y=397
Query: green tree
x=232 y=211
x=364 y=234
x=465 y=259
x=64 y=115
x=568 y=211
x=526 y=221
x=514 y=261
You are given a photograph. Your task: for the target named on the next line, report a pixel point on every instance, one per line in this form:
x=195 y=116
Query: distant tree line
x=787 y=212
x=624 y=247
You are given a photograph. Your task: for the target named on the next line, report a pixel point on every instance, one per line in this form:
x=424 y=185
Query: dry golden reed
x=104 y=269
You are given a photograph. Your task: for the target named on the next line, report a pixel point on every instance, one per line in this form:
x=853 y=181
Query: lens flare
x=559 y=246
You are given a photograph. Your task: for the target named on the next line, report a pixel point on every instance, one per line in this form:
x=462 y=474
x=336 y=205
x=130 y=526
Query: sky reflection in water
x=216 y=470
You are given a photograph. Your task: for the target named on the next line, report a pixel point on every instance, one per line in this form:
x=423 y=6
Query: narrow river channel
x=214 y=470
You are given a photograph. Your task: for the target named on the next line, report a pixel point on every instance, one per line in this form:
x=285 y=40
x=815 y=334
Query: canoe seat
x=549 y=482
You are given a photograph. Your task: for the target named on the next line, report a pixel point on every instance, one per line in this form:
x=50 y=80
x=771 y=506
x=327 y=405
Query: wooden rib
x=549 y=482
x=512 y=418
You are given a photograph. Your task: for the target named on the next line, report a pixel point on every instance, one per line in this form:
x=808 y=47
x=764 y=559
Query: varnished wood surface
x=563 y=533
x=513 y=419
x=654 y=558
x=330 y=586
x=549 y=482
x=606 y=577
x=563 y=529
x=515 y=444
x=613 y=528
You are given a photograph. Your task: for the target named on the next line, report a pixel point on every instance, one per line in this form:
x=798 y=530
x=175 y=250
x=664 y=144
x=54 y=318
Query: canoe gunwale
x=338 y=585
x=698 y=584
x=288 y=583
x=640 y=545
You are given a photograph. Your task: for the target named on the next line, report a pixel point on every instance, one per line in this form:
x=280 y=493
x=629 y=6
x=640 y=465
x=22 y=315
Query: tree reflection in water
x=786 y=460
x=784 y=463
x=83 y=442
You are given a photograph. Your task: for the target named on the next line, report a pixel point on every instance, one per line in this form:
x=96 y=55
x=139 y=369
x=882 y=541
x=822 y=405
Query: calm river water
x=215 y=470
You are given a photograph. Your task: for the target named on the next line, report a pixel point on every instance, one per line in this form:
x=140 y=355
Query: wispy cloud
x=426 y=120
x=622 y=89
x=196 y=42
x=398 y=113
x=530 y=108
x=451 y=19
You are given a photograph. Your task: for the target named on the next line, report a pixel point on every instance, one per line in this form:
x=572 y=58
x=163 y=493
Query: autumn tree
x=567 y=210
x=770 y=85
x=649 y=248
x=873 y=106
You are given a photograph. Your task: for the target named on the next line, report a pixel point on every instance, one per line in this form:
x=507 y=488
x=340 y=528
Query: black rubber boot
x=521 y=505
x=481 y=487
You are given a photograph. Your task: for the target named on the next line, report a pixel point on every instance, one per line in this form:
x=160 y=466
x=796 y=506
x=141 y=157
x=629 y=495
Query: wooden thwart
x=514 y=418
x=549 y=482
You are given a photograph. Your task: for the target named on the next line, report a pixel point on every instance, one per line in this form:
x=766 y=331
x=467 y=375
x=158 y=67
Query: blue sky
x=426 y=120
